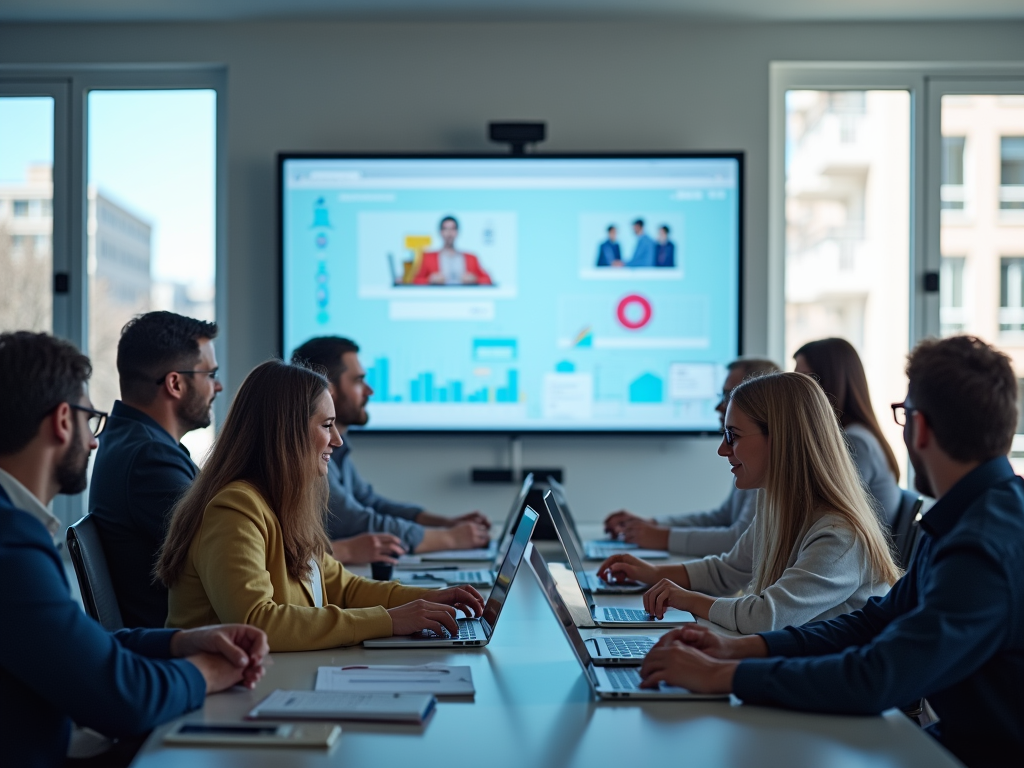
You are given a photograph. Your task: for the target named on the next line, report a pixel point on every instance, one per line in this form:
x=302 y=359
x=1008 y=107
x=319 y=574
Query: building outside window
x=1011 y=173
x=952 y=190
x=952 y=313
x=20 y=208
x=1011 y=295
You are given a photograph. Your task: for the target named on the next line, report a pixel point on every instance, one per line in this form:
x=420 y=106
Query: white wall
x=651 y=85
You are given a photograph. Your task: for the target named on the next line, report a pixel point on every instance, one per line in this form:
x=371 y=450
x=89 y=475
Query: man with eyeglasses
x=56 y=663
x=698 y=533
x=168 y=376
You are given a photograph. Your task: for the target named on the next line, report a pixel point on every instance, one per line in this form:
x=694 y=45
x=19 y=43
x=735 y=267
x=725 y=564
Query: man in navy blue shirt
x=952 y=629
x=168 y=377
x=56 y=663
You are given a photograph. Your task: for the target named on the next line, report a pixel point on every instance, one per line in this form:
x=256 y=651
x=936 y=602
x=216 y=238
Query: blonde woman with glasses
x=815 y=549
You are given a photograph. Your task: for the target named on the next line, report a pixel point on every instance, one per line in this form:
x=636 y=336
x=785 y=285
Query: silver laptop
x=475 y=631
x=611 y=681
x=605 y=651
x=477 y=577
x=599 y=549
x=607 y=615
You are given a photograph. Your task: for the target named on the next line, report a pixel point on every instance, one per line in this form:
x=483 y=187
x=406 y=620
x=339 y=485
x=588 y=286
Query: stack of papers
x=438 y=679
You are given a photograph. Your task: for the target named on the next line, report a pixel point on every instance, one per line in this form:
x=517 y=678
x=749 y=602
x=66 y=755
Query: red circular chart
x=623 y=312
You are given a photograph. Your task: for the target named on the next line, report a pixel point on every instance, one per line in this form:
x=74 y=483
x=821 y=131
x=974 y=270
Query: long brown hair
x=266 y=441
x=840 y=373
x=809 y=471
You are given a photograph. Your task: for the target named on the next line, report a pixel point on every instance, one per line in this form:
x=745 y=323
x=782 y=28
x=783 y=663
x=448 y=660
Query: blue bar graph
x=426 y=389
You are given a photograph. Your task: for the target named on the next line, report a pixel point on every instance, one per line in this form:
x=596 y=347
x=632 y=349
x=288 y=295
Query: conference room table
x=533 y=707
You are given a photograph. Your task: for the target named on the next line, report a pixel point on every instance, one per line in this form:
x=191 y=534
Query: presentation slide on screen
x=520 y=293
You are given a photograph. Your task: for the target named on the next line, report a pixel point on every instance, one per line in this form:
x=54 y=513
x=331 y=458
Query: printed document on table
x=438 y=679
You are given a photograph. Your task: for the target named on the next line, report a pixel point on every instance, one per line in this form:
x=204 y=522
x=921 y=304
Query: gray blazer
x=355 y=508
x=715 y=531
x=828 y=574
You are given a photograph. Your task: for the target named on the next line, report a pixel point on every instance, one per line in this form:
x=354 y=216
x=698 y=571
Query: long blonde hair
x=809 y=471
x=266 y=441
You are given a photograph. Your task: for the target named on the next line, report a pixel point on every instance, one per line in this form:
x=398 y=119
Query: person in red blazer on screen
x=449 y=266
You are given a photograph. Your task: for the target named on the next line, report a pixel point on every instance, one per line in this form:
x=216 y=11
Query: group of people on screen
x=214 y=568
x=646 y=252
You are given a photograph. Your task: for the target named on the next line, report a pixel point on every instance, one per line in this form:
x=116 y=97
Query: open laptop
x=599 y=549
x=605 y=616
x=605 y=650
x=477 y=577
x=475 y=631
x=606 y=679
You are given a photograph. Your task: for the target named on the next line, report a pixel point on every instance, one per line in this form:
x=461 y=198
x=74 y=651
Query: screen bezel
x=738 y=156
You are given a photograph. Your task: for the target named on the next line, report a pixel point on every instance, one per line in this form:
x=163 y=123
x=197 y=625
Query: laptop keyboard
x=628 y=647
x=467 y=631
x=627 y=614
x=624 y=678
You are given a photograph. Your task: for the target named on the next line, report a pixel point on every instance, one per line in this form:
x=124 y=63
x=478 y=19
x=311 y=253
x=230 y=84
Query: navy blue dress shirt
x=140 y=471
x=58 y=665
x=951 y=630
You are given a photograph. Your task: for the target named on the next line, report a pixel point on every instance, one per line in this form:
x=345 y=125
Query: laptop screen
x=560 y=609
x=513 y=517
x=569 y=545
x=509 y=566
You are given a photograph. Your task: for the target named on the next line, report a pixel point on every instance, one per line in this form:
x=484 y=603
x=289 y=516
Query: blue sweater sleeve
x=957 y=623
x=348 y=517
x=100 y=680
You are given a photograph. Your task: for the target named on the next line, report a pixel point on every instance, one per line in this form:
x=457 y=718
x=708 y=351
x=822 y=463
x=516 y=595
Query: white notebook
x=438 y=679
x=332 y=705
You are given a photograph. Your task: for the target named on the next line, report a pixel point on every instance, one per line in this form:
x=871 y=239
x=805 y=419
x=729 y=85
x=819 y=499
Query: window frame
x=69 y=86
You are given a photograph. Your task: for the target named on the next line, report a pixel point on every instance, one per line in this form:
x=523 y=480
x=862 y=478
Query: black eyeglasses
x=900 y=411
x=212 y=374
x=97 y=419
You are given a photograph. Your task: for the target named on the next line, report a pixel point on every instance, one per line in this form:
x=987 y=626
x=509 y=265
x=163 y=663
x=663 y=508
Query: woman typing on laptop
x=247 y=539
x=815 y=548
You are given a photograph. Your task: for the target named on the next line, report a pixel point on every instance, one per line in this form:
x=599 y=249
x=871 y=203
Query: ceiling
x=450 y=10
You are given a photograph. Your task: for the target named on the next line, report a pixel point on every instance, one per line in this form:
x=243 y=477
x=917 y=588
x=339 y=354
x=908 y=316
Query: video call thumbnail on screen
x=520 y=294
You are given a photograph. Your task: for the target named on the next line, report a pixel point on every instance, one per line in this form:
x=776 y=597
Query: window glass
x=26 y=213
x=151 y=215
x=952 y=192
x=1011 y=173
x=952 y=314
x=848 y=232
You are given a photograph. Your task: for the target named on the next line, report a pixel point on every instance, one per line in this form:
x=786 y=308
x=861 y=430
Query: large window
x=847 y=244
x=26 y=213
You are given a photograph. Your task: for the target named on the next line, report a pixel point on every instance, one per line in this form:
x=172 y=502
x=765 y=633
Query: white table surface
x=533 y=707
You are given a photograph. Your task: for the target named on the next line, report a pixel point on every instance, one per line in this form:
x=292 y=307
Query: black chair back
x=90 y=563
x=904 y=527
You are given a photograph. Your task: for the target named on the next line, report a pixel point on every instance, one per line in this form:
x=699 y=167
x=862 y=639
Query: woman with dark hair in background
x=247 y=539
x=838 y=369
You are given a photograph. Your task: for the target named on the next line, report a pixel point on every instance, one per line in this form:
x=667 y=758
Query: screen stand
x=515 y=471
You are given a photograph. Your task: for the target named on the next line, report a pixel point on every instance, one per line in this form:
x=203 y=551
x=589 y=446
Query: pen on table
x=420 y=670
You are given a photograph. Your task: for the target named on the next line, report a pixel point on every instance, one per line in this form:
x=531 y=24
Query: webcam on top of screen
x=517 y=134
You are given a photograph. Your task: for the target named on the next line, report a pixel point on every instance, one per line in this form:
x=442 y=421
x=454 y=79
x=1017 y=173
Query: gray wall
x=651 y=85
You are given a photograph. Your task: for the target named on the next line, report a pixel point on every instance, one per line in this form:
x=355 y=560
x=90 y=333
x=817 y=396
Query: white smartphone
x=253 y=734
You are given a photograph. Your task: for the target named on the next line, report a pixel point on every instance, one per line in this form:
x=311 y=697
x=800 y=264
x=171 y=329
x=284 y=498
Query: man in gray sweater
x=698 y=533
x=364 y=526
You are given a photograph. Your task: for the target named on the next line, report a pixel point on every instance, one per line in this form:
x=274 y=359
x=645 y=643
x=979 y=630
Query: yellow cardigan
x=236 y=573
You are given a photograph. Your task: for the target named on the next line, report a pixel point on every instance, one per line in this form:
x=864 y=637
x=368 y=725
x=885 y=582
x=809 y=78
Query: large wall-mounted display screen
x=520 y=294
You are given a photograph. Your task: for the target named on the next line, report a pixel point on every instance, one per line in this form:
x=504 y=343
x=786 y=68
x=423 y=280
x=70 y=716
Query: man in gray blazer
x=364 y=526
x=698 y=533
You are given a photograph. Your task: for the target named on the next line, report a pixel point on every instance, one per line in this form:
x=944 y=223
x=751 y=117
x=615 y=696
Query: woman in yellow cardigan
x=247 y=543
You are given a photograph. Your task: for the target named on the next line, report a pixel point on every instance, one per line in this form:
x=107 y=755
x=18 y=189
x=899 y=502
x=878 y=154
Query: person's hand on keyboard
x=423 y=614
x=667 y=594
x=464 y=597
x=618 y=569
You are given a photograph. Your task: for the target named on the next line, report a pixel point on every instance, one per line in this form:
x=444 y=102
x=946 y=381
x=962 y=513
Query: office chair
x=90 y=563
x=904 y=528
